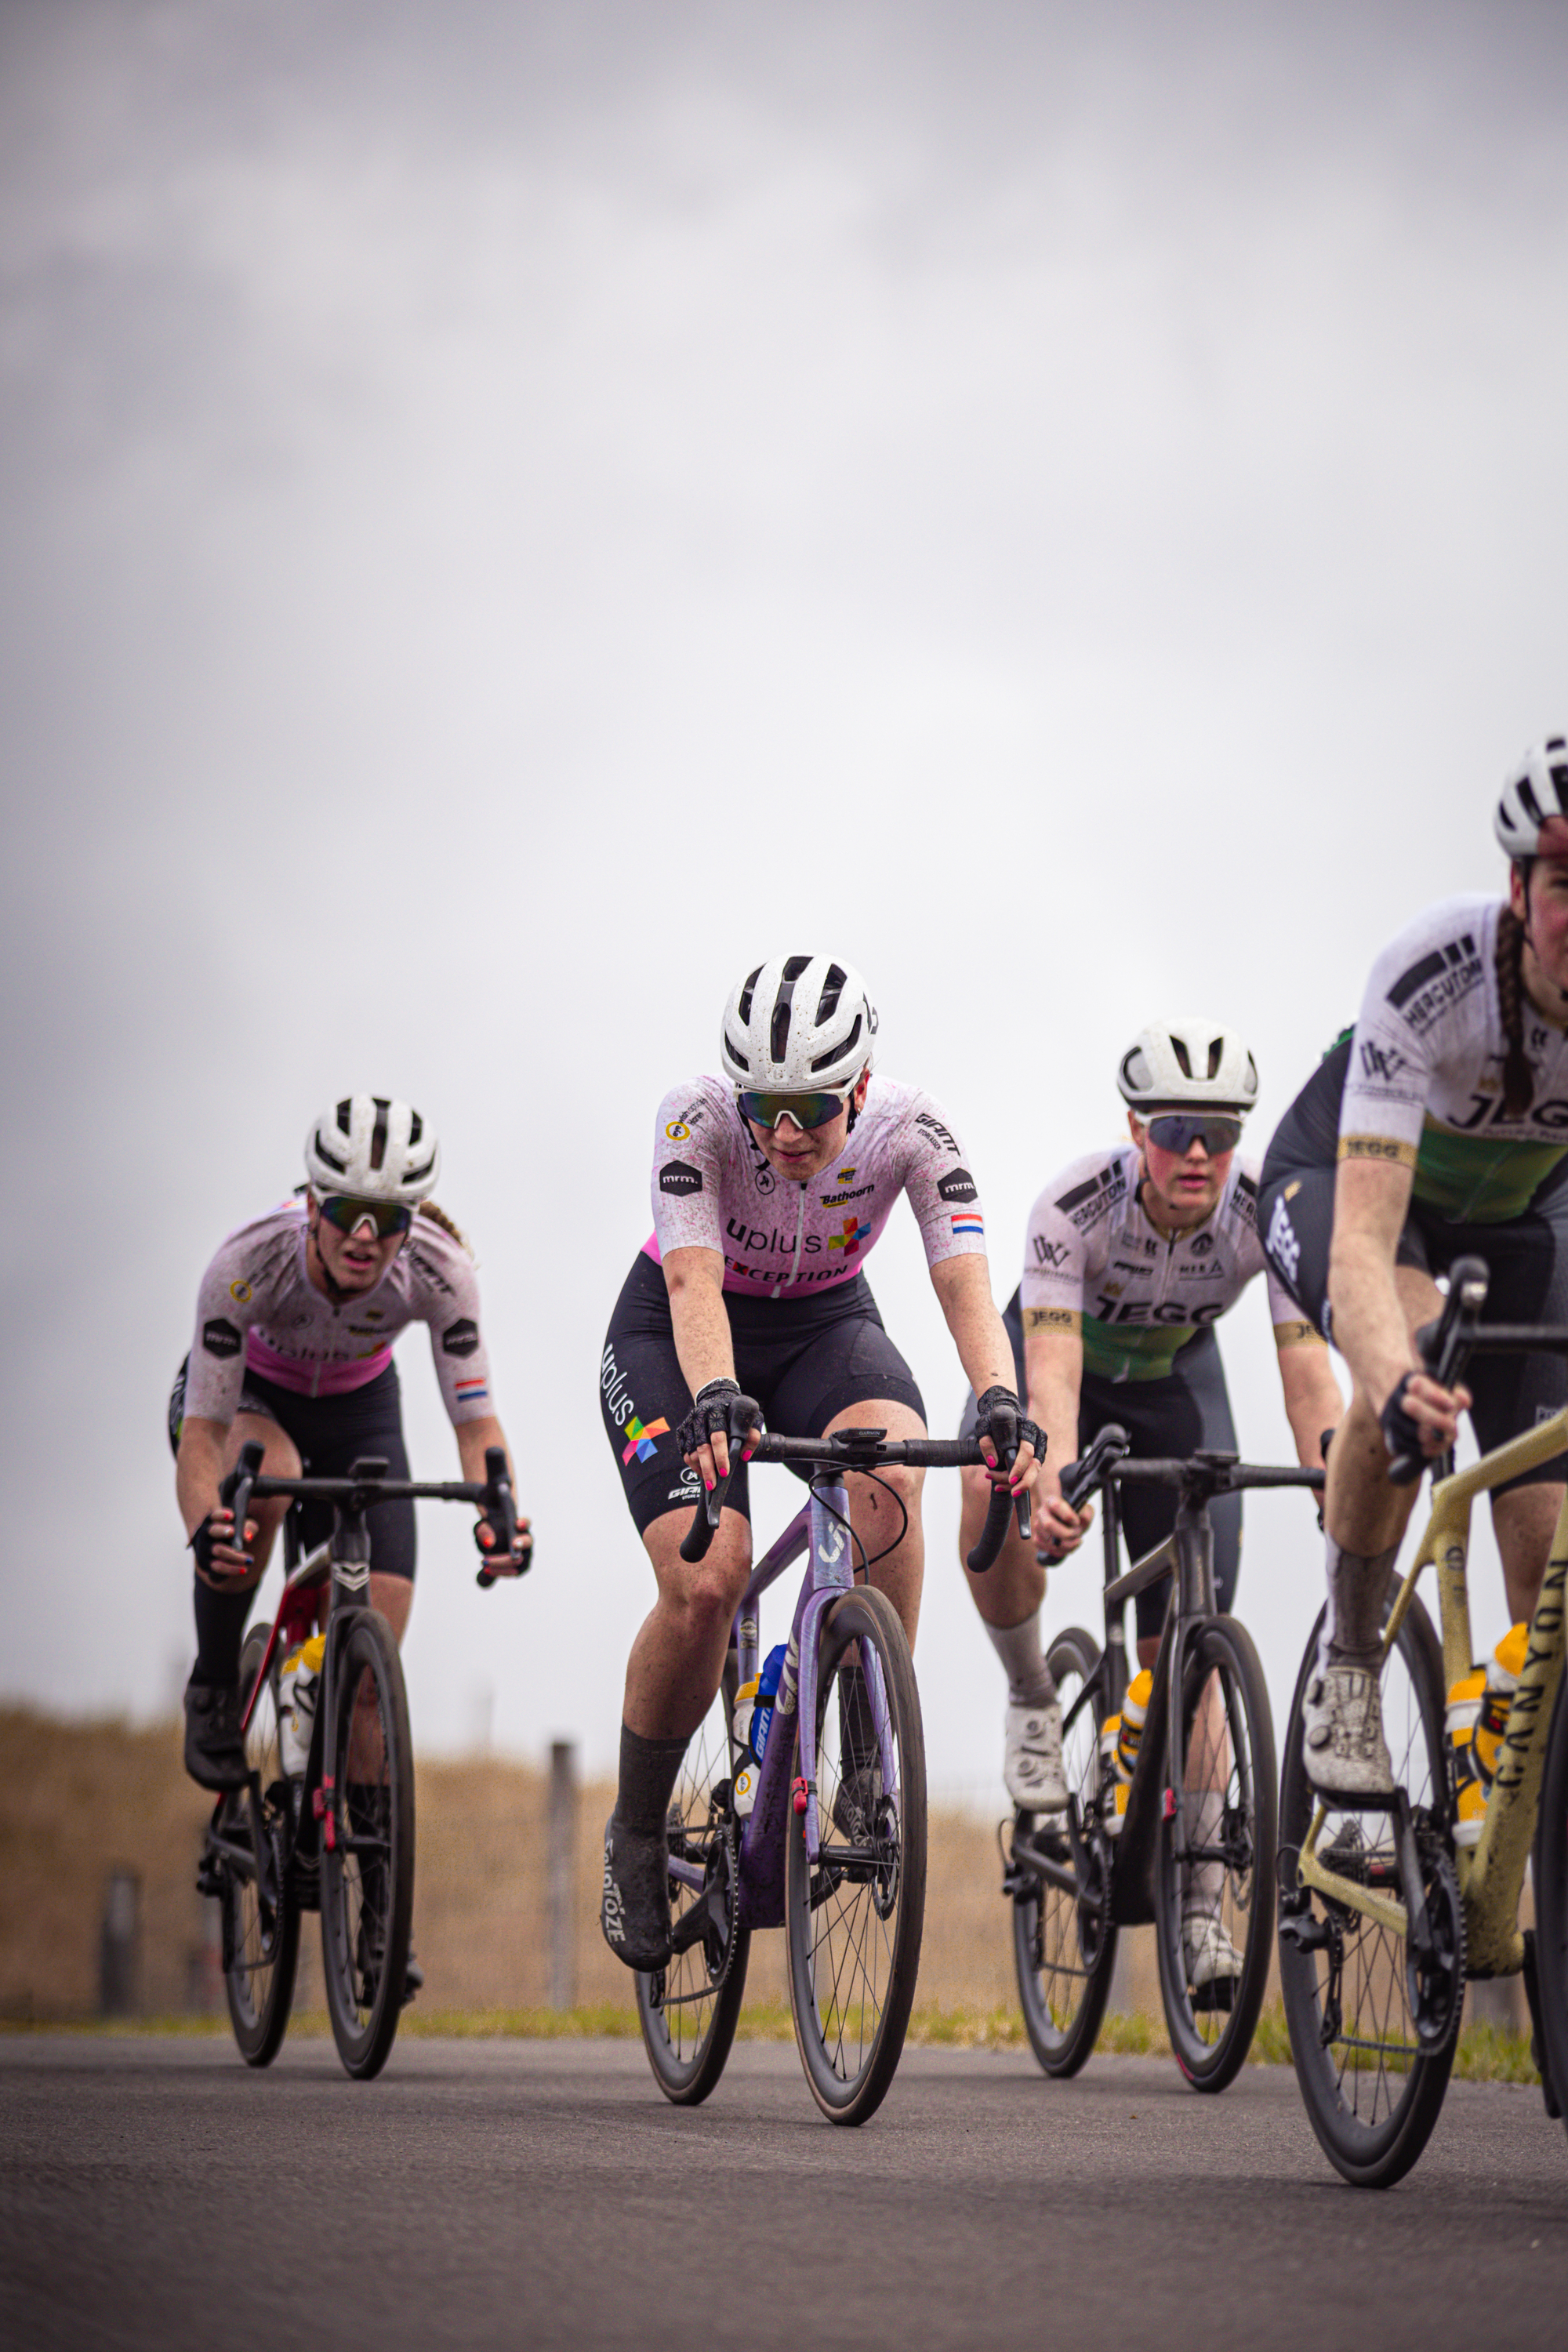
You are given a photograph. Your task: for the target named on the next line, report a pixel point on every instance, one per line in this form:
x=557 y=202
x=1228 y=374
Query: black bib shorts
x=333 y=1432
x=1188 y=1411
x=804 y=1359
x=1528 y=1259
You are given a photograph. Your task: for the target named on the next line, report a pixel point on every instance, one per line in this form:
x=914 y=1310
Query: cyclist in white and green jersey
x=1131 y=1258
x=1436 y=1128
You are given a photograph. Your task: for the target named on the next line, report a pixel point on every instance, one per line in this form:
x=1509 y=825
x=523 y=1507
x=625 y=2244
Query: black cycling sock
x=648 y=1771
x=220 y=1630
x=856 y=1728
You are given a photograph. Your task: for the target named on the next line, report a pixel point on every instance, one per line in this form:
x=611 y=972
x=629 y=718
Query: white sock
x=1030 y=1682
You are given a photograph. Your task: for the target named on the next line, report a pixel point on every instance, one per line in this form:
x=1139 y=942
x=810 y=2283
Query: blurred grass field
x=79 y=1801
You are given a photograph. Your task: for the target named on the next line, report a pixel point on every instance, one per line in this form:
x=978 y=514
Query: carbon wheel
x=1216 y=1908
x=1372 y=2082
x=367 y=1860
x=260 y=1933
x=855 y=1916
x=1064 y=1946
x=688 y=2011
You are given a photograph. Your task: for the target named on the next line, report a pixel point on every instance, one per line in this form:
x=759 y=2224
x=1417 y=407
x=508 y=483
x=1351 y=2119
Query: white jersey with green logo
x=1425 y=1083
x=1094 y=1264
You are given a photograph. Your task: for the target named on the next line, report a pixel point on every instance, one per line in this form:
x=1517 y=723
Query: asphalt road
x=158 y=2193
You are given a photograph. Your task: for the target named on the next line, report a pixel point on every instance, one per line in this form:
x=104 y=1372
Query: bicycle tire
x=1063 y=1951
x=367 y=1869
x=1210 y=2041
x=261 y=1954
x=1550 y=1870
x=1372 y=2130
x=688 y=2009
x=863 y=1952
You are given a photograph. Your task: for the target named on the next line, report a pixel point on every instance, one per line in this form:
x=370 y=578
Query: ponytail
x=438 y=1216
x=1518 y=1084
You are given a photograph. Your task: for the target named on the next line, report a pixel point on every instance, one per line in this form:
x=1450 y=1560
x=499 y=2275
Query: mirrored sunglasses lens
x=807 y=1110
x=1180 y=1132
x=386 y=1216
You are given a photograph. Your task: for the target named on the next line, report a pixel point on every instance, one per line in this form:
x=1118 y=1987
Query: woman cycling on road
x=295 y=1322
x=1131 y=1258
x=771 y=1185
x=1436 y=1128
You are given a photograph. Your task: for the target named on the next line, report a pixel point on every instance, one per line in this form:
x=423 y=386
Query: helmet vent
x=1533 y=806
x=1184 y=1060
x=735 y=1054
x=415 y=1128
x=837 y=1053
x=378 y=1133
x=778 y=1042
x=793 y=967
x=323 y=1153
x=744 y=1007
x=346 y=1116
x=1216 y=1055
x=832 y=989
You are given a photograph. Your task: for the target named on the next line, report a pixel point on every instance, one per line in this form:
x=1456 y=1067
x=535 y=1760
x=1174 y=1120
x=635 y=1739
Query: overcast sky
x=514 y=513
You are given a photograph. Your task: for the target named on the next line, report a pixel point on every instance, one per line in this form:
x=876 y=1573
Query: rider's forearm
x=473 y=1437
x=962 y=1284
x=198 y=1468
x=1313 y=1399
x=1370 y=1329
x=700 y=1322
x=1054 y=1361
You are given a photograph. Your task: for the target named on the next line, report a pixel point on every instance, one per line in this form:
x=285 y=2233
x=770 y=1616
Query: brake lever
x=233 y=1492
x=501 y=1510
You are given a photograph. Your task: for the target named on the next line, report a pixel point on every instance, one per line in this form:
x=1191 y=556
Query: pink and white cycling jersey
x=712 y=1189
x=258 y=1310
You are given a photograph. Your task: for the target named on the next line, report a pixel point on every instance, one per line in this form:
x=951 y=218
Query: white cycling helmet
x=1536 y=791
x=373 y=1148
x=1176 y=1063
x=797 y=1024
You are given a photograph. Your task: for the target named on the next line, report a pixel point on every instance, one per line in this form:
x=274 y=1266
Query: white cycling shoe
x=1342 y=1747
x=1210 y=1956
x=1032 y=1759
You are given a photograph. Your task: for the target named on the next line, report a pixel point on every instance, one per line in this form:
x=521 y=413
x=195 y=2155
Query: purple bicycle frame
x=821 y=1527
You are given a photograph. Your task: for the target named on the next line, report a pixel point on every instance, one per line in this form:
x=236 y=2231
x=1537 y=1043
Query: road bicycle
x=337 y=1836
x=1383 y=1914
x=1196 y=1840
x=834 y=1847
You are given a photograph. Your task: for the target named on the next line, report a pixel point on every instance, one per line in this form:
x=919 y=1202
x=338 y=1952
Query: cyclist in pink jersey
x=292 y=1349
x=769 y=1187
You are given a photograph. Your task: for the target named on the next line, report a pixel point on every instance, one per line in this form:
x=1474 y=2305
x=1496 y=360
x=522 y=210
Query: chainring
x=1436 y=1986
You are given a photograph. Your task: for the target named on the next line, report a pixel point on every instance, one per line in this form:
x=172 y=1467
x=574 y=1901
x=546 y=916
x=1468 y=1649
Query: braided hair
x=438 y=1216
x=1518 y=1084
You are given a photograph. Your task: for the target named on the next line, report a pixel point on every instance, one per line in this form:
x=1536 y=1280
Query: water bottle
x=766 y=1699
x=1130 y=1729
x=1474 y=1721
x=298 y=1688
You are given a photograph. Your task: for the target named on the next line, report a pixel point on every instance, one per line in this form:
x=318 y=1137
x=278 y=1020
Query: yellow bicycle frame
x=1492 y=1872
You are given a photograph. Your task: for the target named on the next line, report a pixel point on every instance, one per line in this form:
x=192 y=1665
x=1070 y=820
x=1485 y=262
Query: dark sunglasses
x=1179 y=1130
x=807 y=1110
x=388 y=1217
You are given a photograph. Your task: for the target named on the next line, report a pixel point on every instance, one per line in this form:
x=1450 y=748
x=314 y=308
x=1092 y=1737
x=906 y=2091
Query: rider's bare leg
x=874 y=1513
x=1007 y=1597
x=1524 y=1520
x=678 y=1659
